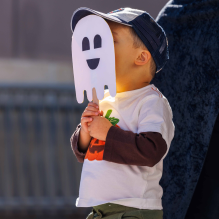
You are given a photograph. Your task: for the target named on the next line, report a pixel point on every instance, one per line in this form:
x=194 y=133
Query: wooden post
x=94 y=95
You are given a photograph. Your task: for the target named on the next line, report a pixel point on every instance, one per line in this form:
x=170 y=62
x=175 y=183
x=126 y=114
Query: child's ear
x=143 y=57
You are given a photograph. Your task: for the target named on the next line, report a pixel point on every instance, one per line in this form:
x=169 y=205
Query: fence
x=38 y=170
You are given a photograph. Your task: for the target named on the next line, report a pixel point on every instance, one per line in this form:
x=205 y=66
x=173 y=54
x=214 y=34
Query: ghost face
x=93 y=58
x=92 y=63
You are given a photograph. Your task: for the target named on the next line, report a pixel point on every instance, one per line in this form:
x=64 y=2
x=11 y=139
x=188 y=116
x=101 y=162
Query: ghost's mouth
x=93 y=63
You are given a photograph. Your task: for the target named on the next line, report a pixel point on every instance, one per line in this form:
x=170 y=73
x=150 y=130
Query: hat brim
x=83 y=12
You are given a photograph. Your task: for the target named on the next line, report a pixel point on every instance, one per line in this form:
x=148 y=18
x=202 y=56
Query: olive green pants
x=115 y=211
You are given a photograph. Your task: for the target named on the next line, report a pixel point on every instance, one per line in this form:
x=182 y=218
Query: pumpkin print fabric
x=96 y=147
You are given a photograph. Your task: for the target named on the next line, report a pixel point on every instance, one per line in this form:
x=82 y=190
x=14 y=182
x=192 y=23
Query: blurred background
x=39 y=174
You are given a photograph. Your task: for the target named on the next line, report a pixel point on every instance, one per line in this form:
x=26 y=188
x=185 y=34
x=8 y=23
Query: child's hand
x=91 y=110
x=99 y=127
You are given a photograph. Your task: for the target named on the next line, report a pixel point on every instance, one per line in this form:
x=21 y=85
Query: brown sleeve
x=126 y=147
x=74 y=144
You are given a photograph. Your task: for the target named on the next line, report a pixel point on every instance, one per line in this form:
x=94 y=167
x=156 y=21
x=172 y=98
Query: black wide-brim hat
x=148 y=30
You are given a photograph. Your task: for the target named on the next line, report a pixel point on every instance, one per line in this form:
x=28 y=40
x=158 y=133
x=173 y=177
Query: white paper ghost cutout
x=93 y=58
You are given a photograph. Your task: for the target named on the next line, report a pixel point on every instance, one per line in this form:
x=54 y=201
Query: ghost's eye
x=85 y=44
x=97 y=42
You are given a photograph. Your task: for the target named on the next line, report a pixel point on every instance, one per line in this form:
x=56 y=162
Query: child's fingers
x=89 y=113
x=86 y=119
x=93 y=104
x=92 y=108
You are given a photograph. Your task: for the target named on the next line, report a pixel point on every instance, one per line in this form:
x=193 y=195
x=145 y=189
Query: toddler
x=122 y=146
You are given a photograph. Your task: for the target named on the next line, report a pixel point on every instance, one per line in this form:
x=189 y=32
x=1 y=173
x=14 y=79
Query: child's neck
x=131 y=86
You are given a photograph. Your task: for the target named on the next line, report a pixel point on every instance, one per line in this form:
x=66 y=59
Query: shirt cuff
x=74 y=144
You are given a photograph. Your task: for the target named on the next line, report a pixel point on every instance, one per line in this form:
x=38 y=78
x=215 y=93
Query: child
x=123 y=150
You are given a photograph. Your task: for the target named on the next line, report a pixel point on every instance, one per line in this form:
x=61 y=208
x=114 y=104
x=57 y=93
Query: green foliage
x=113 y=120
x=108 y=113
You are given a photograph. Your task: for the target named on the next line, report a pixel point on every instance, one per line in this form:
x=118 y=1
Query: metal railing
x=38 y=169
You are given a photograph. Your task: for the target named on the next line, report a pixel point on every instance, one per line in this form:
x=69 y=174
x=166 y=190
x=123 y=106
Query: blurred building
x=38 y=110
x=39 y=31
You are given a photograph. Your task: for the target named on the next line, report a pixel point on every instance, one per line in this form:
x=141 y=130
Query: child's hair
x=137 y=43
